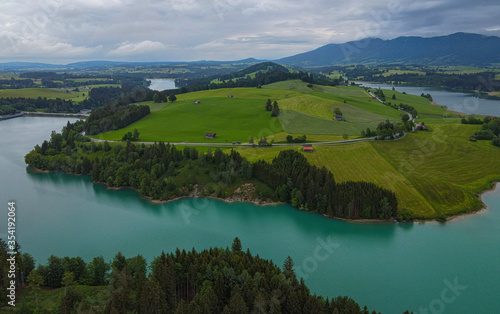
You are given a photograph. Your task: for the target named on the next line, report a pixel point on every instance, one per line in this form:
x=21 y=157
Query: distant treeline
x=154 y=170
x=483 y=81
x=16 y=84
x=59 y=80
x=98 y=97
x=267 y=73
x=214 y=280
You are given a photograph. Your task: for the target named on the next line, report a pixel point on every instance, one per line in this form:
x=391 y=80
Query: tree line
x=114 y=117
x=16 y=84
x=215 y=280
x=154 y=171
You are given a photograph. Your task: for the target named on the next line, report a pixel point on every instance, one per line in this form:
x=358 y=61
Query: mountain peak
x=454 y=49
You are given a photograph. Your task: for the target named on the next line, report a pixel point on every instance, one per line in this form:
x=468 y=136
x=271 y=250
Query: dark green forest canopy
x=163 y=172
x=215 y=280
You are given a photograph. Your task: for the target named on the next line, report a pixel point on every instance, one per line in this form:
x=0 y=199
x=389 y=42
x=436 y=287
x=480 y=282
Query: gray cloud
x=174 y=30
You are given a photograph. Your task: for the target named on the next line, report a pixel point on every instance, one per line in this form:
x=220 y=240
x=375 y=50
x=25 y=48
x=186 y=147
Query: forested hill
x=454 y=49
x=254 y=76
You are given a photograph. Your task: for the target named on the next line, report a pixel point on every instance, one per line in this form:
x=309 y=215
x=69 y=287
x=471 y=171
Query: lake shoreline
x=259 y=202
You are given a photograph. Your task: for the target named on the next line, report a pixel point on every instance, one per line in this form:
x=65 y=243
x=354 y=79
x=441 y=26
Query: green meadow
x=435 y=174
x=233 y=119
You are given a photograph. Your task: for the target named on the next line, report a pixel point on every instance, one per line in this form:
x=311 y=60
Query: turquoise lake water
x=389 y=267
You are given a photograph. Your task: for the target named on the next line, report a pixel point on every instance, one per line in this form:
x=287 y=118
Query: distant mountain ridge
x=456 y=49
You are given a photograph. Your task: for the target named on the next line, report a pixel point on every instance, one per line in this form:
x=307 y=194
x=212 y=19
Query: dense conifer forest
x=214 y=280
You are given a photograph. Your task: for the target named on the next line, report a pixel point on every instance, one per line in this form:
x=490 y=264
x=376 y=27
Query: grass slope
x=233 y=119
x=432 y=173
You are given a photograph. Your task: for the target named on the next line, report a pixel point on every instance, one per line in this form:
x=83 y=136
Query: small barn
x=197 y=101
x=230 y=96
x=338 y=117
x=307 y=148
x=210 y=135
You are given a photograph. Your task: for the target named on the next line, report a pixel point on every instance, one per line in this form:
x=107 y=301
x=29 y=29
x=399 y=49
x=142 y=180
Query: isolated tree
x=269 y=105
x=251 y=140
x=288 y=266
x=276 y=109
x=236 y=246
x=35 y=281
x=337 y=111
x=172 y=98
x=393 y=96
x=345 y=136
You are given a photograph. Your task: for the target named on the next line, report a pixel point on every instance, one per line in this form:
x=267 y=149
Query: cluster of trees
x=380 y=94
x=471 y=120
x=216 y=280
x=490 y=129
x=114 y=117
x=129 y=136
x=153 y=171
x=160 y=97
x=16 y=84
x=409 y=109
x=31 y=104
x=273 y=107
x=314 y=189
x=389 y=130
x=428 y=96
x=298 y=139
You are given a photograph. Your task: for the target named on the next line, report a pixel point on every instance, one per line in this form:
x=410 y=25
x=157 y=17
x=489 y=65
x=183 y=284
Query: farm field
x=432 y=173
x=242 y=116
x=183 y=121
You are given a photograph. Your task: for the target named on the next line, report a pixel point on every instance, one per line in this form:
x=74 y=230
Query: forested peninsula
x=163 y=172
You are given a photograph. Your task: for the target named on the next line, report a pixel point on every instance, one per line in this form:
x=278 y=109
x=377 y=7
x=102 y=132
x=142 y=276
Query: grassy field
x=232 y=119
x=297 y=122
x=432 y=173
x=304 y=110
x=50 y=93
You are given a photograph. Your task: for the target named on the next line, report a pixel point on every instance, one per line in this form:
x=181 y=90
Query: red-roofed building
x=307 y=148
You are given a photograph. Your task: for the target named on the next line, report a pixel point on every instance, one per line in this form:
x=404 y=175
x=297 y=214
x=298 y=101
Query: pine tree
x=236 y=246
x=288 y=266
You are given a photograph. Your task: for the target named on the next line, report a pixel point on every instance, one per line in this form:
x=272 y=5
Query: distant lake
x=456 y=101
x=162 y=84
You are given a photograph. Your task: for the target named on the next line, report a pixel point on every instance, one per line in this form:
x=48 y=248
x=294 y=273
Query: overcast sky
x=63 y=31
